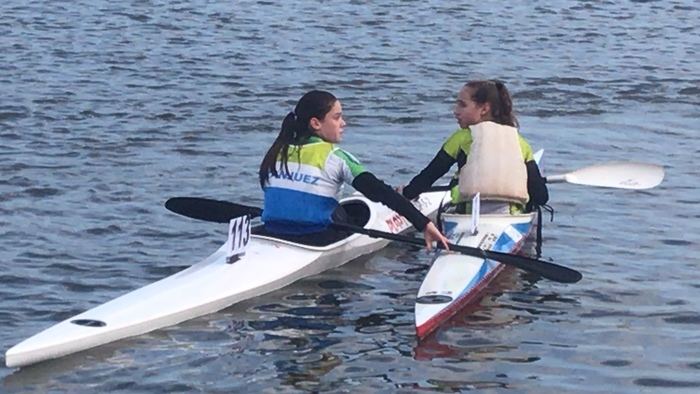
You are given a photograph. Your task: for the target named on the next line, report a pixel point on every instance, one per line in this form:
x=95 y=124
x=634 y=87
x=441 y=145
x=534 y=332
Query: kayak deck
x=455 y=280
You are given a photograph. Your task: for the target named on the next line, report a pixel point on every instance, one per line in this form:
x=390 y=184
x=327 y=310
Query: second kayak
x=455 y=280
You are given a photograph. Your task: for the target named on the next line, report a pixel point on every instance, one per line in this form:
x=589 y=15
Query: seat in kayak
x=353 y=212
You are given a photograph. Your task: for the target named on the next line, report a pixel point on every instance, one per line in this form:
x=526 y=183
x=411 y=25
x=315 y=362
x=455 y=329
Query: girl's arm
x=376 y=190
x=441 y=163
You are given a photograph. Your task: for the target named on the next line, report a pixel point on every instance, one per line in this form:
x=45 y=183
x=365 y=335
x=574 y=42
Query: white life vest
x=495 y=165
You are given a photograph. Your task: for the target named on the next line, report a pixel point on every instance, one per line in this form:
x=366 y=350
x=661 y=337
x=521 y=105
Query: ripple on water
x=616 y=363
x=340 y=284
x=101 y=231
x=684 y=318
x=676 y=242
x=666 y=383
x=9 y=113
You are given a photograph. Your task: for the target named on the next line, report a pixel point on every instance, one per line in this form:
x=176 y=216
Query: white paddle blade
x=619 y=175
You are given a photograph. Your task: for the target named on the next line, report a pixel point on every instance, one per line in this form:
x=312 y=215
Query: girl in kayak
x=493 y=158
x=303 y=171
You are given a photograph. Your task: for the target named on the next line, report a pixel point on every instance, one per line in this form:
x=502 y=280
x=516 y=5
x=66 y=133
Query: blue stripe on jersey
x=289 y=211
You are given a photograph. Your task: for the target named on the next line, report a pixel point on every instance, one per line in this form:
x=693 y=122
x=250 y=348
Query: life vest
x=495 y=165
x=303 y=200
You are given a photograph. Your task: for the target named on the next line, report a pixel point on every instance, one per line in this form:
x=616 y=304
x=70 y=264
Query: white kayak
x=213 y=284
x=455 y=280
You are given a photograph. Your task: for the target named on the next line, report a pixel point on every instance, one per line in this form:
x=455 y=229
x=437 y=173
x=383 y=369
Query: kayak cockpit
x=353 y=211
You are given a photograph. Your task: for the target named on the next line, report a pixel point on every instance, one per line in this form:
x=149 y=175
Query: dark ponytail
x=279 y=148
x=496 y=94
x=295 y=130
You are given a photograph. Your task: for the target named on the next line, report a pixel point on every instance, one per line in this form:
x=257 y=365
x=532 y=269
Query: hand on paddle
x=432 y=234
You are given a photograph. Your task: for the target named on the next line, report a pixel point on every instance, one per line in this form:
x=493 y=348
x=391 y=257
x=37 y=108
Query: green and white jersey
x=303 y=200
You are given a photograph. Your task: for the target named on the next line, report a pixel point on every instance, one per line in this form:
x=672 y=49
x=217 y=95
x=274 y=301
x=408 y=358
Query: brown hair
x=496 y=94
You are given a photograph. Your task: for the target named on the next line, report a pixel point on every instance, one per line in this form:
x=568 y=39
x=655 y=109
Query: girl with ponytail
x=493 y=158
x=302 y=172
x=295 y=130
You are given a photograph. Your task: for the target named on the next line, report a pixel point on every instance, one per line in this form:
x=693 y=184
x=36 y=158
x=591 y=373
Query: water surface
x=108 y=109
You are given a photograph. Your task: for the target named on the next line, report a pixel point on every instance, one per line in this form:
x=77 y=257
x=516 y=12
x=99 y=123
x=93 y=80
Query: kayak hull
x=455 y=280
x=209 y=286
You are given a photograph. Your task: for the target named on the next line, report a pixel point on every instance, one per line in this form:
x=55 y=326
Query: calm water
x=109 y=108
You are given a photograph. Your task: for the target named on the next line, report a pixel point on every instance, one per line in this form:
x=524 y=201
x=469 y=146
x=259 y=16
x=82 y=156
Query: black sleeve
x=536 y=185
x=441 y=163
x=376 y=190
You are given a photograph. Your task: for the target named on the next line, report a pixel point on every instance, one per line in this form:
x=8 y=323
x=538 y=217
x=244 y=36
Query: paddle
x=545 y=269
x=619 y=175
x=210 y=210
x=223 y=211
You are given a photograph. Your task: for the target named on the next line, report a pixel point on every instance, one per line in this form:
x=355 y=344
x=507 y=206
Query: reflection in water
x=305 y=332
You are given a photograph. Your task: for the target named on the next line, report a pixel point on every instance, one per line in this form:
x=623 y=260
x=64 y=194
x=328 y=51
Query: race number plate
x=238 y=237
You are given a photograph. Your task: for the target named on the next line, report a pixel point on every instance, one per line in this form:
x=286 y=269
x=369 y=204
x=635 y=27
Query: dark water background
x=109 y=108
